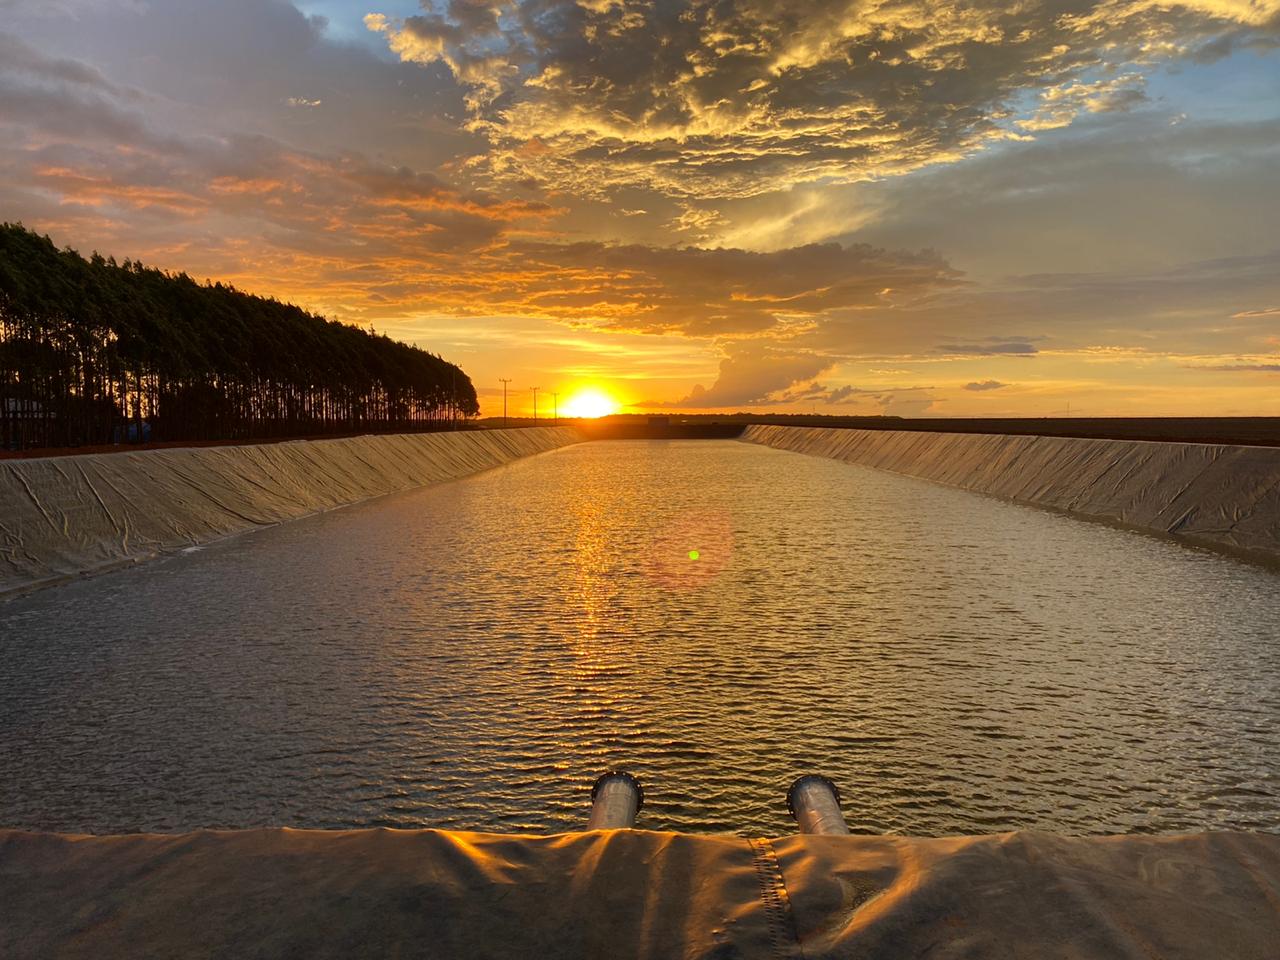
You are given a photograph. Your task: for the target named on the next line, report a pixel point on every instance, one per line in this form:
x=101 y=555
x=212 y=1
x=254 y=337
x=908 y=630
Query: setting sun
x=590 y=402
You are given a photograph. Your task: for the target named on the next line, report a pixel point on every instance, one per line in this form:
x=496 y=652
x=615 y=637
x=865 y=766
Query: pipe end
x=808 y=778
x=626 y=778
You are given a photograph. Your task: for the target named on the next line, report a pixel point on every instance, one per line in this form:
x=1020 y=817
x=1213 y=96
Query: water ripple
x=473 y=654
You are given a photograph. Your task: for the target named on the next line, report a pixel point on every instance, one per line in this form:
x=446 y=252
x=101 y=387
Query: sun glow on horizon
x=590 y=403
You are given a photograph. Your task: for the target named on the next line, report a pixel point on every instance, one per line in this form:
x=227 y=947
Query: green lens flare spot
x=694 y=554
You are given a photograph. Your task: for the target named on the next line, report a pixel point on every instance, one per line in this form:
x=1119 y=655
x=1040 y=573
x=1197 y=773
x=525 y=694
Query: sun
x=589 y=402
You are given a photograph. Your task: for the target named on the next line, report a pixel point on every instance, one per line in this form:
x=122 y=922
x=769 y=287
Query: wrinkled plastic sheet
x=1227 y=497
x=624 y=894
x=65 y=516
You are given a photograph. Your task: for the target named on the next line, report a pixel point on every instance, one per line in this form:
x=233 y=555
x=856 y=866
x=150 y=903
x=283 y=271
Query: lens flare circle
x=672 y=549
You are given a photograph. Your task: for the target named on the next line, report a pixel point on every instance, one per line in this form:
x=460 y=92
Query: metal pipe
x=616 y=798
x=815 y=803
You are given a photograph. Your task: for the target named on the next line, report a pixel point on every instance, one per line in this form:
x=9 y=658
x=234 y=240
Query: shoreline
x=70 y=517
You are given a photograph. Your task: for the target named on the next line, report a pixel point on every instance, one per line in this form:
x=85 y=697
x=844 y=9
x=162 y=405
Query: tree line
x=97 y=352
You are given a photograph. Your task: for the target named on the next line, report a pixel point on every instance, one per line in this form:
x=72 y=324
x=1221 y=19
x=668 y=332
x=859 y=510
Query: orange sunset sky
x=915 y=208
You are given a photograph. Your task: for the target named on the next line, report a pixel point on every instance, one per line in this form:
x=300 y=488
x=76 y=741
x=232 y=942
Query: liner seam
x=776 y=902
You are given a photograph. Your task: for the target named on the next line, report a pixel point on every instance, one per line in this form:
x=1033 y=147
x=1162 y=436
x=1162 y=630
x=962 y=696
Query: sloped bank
x=634 y=894
x=65 y=516
x=1225 y=497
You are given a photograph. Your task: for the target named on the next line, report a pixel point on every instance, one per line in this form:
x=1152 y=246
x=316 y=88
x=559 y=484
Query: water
x=472 y=655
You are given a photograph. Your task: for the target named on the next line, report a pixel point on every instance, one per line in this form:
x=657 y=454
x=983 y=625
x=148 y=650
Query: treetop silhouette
x=95 y=352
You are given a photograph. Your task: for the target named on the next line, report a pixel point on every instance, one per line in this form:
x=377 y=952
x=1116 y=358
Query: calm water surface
x=473 y=655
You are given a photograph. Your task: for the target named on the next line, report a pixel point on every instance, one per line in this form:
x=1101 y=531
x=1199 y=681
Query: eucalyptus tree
x=95 y=352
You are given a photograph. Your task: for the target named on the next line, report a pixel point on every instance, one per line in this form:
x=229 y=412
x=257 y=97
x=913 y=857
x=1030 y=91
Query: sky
x=909 y=207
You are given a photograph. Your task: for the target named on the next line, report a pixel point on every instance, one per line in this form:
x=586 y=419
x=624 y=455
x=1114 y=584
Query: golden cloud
x=710 y=100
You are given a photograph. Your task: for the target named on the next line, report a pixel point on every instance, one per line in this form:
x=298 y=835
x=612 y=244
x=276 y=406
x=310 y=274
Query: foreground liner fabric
x=65 y=516
x=1224 y=497
x=636 y=894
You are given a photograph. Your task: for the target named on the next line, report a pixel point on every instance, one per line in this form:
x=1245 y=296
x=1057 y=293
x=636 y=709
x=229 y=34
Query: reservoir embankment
x=65 y=516
x=1221 y=496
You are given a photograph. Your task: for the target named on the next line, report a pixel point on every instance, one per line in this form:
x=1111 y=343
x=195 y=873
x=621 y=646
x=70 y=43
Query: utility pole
x=535 y=406
x=504 y=402
x=555 y=408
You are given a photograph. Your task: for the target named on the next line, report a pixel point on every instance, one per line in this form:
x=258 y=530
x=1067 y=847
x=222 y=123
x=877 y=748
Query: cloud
x=814 y=393
x=892 y=401
x=19 y=57
x=366 y=239
x=75 y=144
x=1241 y=367
x=51 y=9
x=989 y=347
x=233 y=65
x=455 y=39
x=695 y=221
x=1202 y=308
x=707 y=99
x=1116 y=194
x=710 y=292
x=756 y=373
x=749 y=373
x=1060 y=105
x=979 y=386
x=386 y=240
x=908 y=404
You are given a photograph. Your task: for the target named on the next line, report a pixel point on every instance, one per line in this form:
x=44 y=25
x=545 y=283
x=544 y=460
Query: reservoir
x=717 y=617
